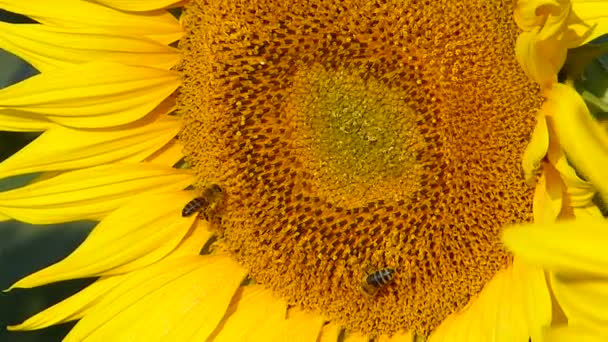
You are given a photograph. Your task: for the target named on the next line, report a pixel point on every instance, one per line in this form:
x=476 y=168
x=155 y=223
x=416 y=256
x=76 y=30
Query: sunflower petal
x=535 y=298
x=589 y=212
x=79 y=304
x=138 y=5
x=168 y=155
x=574 y=333
x=399 y=337
x=169 y=301
x=536 y=149
x=355 y=336
x=570 y=248
x=24 y=123
x=540 y=60
x=502 y=312
x=548 y=196
x=92 y=95
x=135 y=235
x=253 y=315
x=301 y=326
x=62 y=148
x=72 y=308
x=580 y=192
x=88 y=194
x=583 y=301
x=589 y=19
x=157 y=25
x=583 y=140
x=66 y=47
x=330 y=332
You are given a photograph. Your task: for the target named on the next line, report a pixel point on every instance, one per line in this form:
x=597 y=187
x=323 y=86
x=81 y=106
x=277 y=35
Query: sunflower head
x=358 y=136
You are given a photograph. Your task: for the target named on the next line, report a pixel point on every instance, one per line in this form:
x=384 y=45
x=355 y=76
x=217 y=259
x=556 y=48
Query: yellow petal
x=589 y=212
x=89 y=194
x=330 y=332
x=138 y=5
x=193 y=242
x=529 y=14
x=536 y=149
x=584 y=301
x=92 y=95
x=168 y=155
x=399 y=337
x=62 y=148
x=570 y=248
x=354 y=336
x=79 y=304
x=300 y=326
x=583 y=140
x=580 y=192
x=540 y=60
x=157 y=25
x=65 y=47
x=530 y=281
x=254 y=315
x=73 y=308
x=169 y=301
x=24 y=123
x=503 y=311
x=574 y=333
x=137 y=234
x=548 y=196
x=589 y=19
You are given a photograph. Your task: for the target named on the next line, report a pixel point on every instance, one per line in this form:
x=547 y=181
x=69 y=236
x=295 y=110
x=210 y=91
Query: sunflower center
x=359 y=136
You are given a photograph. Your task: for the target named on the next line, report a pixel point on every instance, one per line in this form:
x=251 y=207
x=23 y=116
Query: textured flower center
x=354 y=136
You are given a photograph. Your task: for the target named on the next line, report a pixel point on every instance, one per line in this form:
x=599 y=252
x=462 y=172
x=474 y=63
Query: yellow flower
x=551 y=27
x=347 y=136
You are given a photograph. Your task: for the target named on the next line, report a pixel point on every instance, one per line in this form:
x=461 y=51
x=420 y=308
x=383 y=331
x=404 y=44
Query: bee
x=374 y=281
x=207 y=203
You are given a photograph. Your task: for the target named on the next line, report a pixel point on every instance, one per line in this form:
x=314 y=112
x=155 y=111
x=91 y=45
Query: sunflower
x=347 y=139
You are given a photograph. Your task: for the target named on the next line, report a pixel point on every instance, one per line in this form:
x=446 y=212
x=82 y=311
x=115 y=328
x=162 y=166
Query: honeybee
x=374 y=281
x=207 y=203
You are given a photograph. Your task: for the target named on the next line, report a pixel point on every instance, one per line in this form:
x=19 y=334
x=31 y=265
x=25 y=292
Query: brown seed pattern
x=360 y=134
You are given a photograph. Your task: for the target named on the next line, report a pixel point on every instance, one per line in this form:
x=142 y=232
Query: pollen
x=360 y=135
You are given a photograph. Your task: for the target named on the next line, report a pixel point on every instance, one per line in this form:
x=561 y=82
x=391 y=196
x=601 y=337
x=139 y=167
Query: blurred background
x=26 y=248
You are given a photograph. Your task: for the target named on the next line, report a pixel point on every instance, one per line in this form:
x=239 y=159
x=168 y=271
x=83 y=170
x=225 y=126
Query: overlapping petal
x=330 y=332
x=92 y=95
x=135 y=235
x=63 y=148
x=536 y=149
x=548 y=196
x=168 y=155
x=80 y=304
x=48 y=48
x=584 y=301
x=355 y=336
x=582 y=139
x=569 y=248
x=138 y=5
x=157 y=25
x=301 y=326
x=551 y=27
x=89 y=194
x=511 y=307
x=180 y=299
x=399 y=337
x=24 y=122
x=255 y=314
x=574 y=333
x=73 y=308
